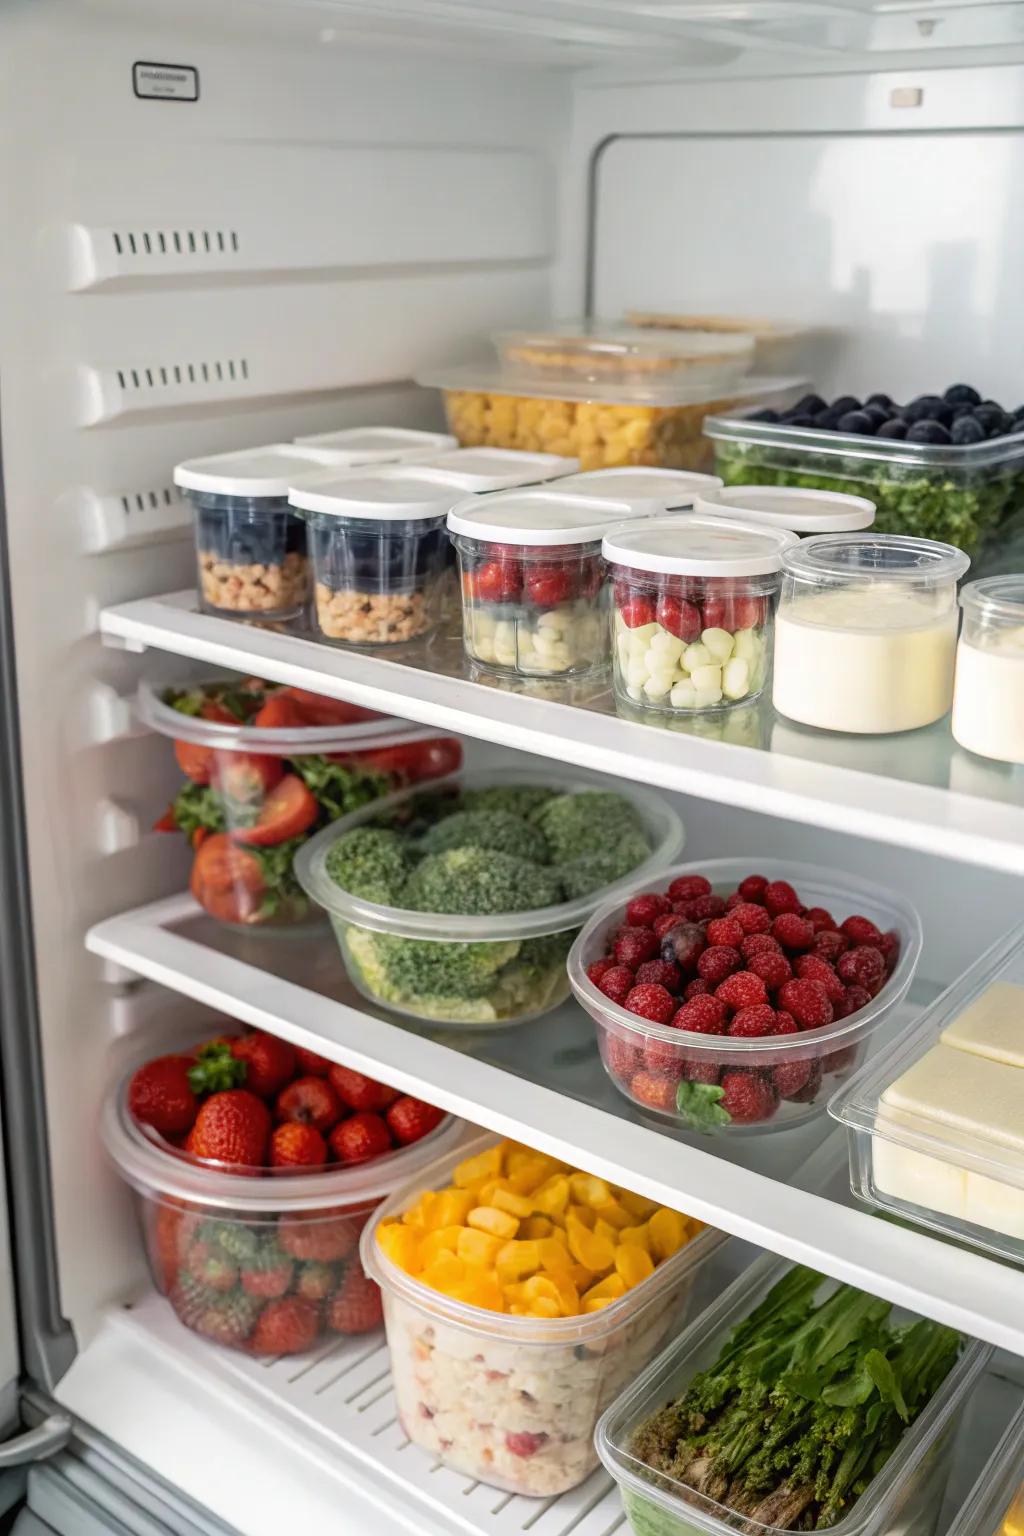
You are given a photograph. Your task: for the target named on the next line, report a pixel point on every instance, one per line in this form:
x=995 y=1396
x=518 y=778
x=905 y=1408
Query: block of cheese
x=993 y=1025
x=963 y=1092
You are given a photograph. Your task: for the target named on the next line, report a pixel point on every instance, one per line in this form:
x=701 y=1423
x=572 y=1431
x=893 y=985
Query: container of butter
x=995 y=1505
x=935 y=1122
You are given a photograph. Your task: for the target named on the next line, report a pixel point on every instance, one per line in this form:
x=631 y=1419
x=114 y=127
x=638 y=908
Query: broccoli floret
x=586 y=822
x=591 y=871
x=498 y=830
x=456 y=982
x=479 y=881
x=370 y=862
x=515 y=799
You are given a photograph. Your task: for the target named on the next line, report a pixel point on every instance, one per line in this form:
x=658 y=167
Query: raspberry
x=696 y=1069
x=807 y=1001
x=698 y=987
x=889 y=944
x=664 y=925
x=704 y=908
x=718 y=962
x=743 y=990
x=772 y=968
x=663 y=1059
x=748 y=1023
x=758 y=943
x=829 y=943
x=734 y=901
x=785 y=1024
x=855 y=999
x=861 y=930
x=620 y=1057
x=684 y=945
x=687 y=887
x=819 y=918
x=635 y=945
x=663 y=973
x=748 y=1097
x=656 y=1092
x=616 y=983
x=798 y=1081
x=862 y=967
x=751 y=918
x=814 y=968
x=752 y=888
x=779 y=896
x=792 y=932
x=651 y=1002
x=642 y=910
x=600 y=968
x=704 y=1015
x=725 y=930
x=841 y=1061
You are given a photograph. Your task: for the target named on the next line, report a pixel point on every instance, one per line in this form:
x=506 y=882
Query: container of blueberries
x=947 y=467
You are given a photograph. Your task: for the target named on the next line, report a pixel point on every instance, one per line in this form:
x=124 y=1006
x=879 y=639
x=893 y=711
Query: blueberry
x=845 y=403
x=993 y=403
x=765 y=415
x=880 y=399
x=826 y=420
x=858 y=422
x=993 y=418
x=897 y=427
x=961 y=394
x=962 y=410
x=926 y=408
x=1018 y=414
x=810 y=405
x=878 y=413
x=928 y=432
x=799 y=420
x=966 y=429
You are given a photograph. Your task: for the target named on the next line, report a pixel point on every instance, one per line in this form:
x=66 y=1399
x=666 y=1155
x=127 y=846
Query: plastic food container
x=803 y=512
x=255 y=793
x=356 y=446
x=988 y=696
x=779 y=345
x=511 y=1400
x=479 y=471
x=534 y=600
x=865 y=635
x=693 y=600
x=650 y=491
x=250 y=547
x=816 y=1060
x=995 y=1505
x=949 y=1160
x=905 y=1495
x=596 y=350
x=260 y=1264
x=959 y=495
x=497 y=970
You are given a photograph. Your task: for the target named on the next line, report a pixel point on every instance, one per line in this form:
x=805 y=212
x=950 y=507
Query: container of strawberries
x=255 y=1166
x=266 y=767
x=734 y=1002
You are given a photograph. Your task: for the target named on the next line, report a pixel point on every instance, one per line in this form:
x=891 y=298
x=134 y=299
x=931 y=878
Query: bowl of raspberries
x=255 y=1165
x=732 y=1001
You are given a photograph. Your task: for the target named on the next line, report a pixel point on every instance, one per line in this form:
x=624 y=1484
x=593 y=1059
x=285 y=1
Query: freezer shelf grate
x=341 y=1400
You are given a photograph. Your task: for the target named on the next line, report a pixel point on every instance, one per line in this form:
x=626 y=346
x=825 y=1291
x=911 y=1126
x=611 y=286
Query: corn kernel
x=444 y=1240
x=544 y=1307
x=582 y=1277
x=498 y=1223
x=451 y=1208
x=444 y=1273
x=418 y=1214
x=595 y=1303
x=516 y=1259
x=485 y=1165
x=568 y=1295
x=536 y=1226
x=540 y=1286
x=477 y=1247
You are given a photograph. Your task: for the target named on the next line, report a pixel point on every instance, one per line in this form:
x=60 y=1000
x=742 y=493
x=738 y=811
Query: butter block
x=918 y=1178
x=964 y=1092
x=992 y=1026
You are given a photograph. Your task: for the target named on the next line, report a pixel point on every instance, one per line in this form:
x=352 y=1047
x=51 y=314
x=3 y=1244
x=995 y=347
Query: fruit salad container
x=512 y=1397
x=693 y=599
x=265 y=768
x=458 y=904
x=781 y=506
x=356 y=447
x=995 y=1505
x=734 y=1003
x=906 y=1493
x=933 y=1123
x=650 y=492
x=265 y=1260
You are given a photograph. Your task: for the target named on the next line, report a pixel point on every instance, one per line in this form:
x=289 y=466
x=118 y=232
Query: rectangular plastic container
x=949 y=1179
x=995 y=1505
x=608 y=350
x=780 y=346
x=957 y=495
x=357 y=446
x=905 y=1496
x=511 y=1400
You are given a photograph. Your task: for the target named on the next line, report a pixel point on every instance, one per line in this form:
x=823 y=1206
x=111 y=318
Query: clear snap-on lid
x=537 y=518
x=496 y=469
x=607 y=349
x=784 y=507
x=862 y=559
x=379 y=445
x=655 y=390
x=394 y=493
x=1000 y=598
x=253 y=472
x=698 y=546
x=665 y=490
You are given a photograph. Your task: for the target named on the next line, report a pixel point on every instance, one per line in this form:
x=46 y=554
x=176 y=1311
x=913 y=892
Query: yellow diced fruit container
x=520 y=1297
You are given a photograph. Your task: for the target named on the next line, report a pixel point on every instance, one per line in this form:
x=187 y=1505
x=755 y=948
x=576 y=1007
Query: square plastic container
x=667 y=1072
x=512 y=1400
x=356 y=446
x=650 y=491
x=906 y=1494
x=606 y=350
x=958 y=495
x=480 y=471
x=988 y=692
x=995 y=1505
x=956 y=1175
x=780 y=506
x=780 y=346
x=475 y=971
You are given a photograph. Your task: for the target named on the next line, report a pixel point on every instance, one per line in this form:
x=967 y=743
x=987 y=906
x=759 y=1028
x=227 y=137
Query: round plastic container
x=865 y=635
x=254 y=794
x=693 y=610
x=672 y=1073
x=803 y=512
x=356 y=446
x=533 y=590
x=650 y=491
x=988 y=697
x=512 y=1400
x=269 y=1265
x=476 y=971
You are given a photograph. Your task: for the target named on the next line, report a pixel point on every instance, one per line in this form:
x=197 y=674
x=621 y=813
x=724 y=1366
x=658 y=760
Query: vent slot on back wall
x=127 y=518
x=174 y=242
x=223 y=370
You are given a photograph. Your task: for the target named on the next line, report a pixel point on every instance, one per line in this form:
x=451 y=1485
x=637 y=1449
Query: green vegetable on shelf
x=371 y=862
x=480 y=882
x=584 y=823
x=499 y=830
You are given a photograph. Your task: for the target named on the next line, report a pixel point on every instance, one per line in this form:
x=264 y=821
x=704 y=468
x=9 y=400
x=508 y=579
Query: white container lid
x=496 y=469
x=379 y=445
x=783 y=506
x=394 y=493
x=253 y=472
x=664 y=489
x=537 y=518
x=698 y=546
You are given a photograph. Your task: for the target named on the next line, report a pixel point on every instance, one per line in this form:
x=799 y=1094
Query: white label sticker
x=166 y=82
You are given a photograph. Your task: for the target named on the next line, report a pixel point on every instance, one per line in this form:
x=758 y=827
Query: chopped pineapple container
x=520 y=1297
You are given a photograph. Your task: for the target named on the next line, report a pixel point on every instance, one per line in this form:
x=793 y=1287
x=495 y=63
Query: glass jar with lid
x=988 y=699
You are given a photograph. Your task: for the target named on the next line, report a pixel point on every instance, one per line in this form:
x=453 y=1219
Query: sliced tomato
x=199 y=836
x=319 y=710
x=289 y=810
x=280 y=713
x=226 y=880
x=195 y=761
x=245 y=777
x=413 y=761
x=167 y=822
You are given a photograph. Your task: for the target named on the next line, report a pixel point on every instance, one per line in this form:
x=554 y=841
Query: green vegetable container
x=906 y=1493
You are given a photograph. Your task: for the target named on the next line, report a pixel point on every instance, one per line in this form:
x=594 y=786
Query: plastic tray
x=607 y=350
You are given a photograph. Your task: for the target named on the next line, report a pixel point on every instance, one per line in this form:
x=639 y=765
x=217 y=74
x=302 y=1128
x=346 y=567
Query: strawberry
x=744 y=990
x=661 y=973
x=679 y=617
x=315 y=1281
x=360 y=1139
x=751 y=917
x=749 y=1023
x=310 y=1101
x=410 y=1119
x=547 y=585
x=231 y=1127
x=620 y=1057
x=807 y=1001
x=310 y=1064
x=358 y=1091
x=294 y=1145
x=211 y=1266
x=655 y=1091
x=286 y=1327
x=322 y=1239
x=356 y=1306
x=269 y=1062
x=636 y=612
x=861 y=930
x=725 y=930
x=702 y=1014
x=160 y=1095
x=747 y=1097
x=599 y=968
x=224 y=1319
x=269 y=1273
x=498 y=581
x=166 y=1243
x=702 y=908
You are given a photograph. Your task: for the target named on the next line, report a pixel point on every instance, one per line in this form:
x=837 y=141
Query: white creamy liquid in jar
x=865 y=660
x=988 y=703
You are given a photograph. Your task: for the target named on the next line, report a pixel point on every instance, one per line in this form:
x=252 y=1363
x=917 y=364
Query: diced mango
x=516 y=1259
x=515 y=1205
x=603 y=1229
x=479 y=1289
x=444 y=1240
x=584 y=1215
x=633 y=1263
x=444 y=1273
x=498 y=1223
x=544 y=1307
x=615 y=1215
x=451 y=1208
x=552 y=1197
x=668 y=1233
x=477 y=1247
x=532 y=1172
x=612 y=1286
x=568 y=1295
x=589 y=1190
x=640 y=1236
x=485 y=1165
x=554 y=1256
x=539 y=1285
x=582 y=1277
x=488 y=1189
x=536 y=1226
x=595 y=1303
x=637 y=1205
x=401 y=1245
x=597 y=1253
x=419 y=1213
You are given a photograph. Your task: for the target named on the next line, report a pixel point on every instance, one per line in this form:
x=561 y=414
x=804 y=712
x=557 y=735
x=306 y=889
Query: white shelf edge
x=907 y=1267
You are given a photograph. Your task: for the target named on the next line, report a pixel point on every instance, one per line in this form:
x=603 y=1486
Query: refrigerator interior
x=359 y=192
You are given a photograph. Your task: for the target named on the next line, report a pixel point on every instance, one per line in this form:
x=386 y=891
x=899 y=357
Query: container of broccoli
x=460 y=904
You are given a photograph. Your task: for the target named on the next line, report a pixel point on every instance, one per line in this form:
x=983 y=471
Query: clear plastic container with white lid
x=988 y=695
x=533 y=590
x=379 y=445
x=865 y=636
x=693 y=601
x=482 y=470
x=250 y=547
x=803 y=512
x=596 y=350
x=513 y=1400
x=651 y=490
x=934 y=1125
